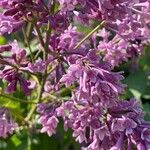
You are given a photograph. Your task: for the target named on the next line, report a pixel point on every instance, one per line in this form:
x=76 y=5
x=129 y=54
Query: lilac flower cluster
x=48 y=119
x=128 y=19
x=18 y=12
x=99 y=118
x=100 y=127
x=13 y=65
x=118 y=50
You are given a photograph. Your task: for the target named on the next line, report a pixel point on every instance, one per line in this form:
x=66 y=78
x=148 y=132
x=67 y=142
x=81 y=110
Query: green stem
x=40 y=91
x=30 y=113
x=20 y=117
x=28 y=44
x=41 y=88
x=45 y=54
x=29 y=142
x=48 y=33
x=37 y=54
x=89 y=34
x=39 y=35
x=17 y=99
x=44 y=45
x=29 y=29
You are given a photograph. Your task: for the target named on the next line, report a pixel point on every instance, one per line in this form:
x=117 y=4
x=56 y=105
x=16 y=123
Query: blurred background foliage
x=137 y=79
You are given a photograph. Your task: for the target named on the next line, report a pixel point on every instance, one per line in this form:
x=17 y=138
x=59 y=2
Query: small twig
x=88 y=36
x=16 y=99
x=40 y=94
x=19 y=116
x=45 y=47
x=29 y=29
x=28 y=44
x=48 y=33
x=39 y=35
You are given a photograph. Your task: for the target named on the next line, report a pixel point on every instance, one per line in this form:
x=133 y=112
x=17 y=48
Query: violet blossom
x=10 y=72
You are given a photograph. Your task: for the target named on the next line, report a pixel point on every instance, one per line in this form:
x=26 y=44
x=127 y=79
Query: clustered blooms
x=11 y=72
x=99 y=118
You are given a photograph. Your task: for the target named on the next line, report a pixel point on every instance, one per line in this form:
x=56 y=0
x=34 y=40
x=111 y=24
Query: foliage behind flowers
x=83 y=65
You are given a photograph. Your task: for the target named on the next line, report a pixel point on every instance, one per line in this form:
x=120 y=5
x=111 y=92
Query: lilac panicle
x=107 y=127
x=96 y=83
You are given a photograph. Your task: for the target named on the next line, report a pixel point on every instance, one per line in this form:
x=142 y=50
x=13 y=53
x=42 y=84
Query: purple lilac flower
x=109 y=10
x=69 y=38
x=7 y=124
x=118 y=50
x=59 y=22
x=97 y=9
x=5 y=48
x=68 y=5
x=48 y=118
x=95 y=113
x=66 y=41
x=52 y=82
x=63 y=45
x=107 y=128
x=17 y=12
x=39 y=66
x=95 y=82
x=11 y=18
x=8 y=24
x=127 y=18
x=11 y=74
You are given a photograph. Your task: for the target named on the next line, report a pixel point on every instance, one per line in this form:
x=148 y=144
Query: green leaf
x=137 y=83
x=85 y=29
x=3 y=40
x=16 y=140
x=146 y=108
